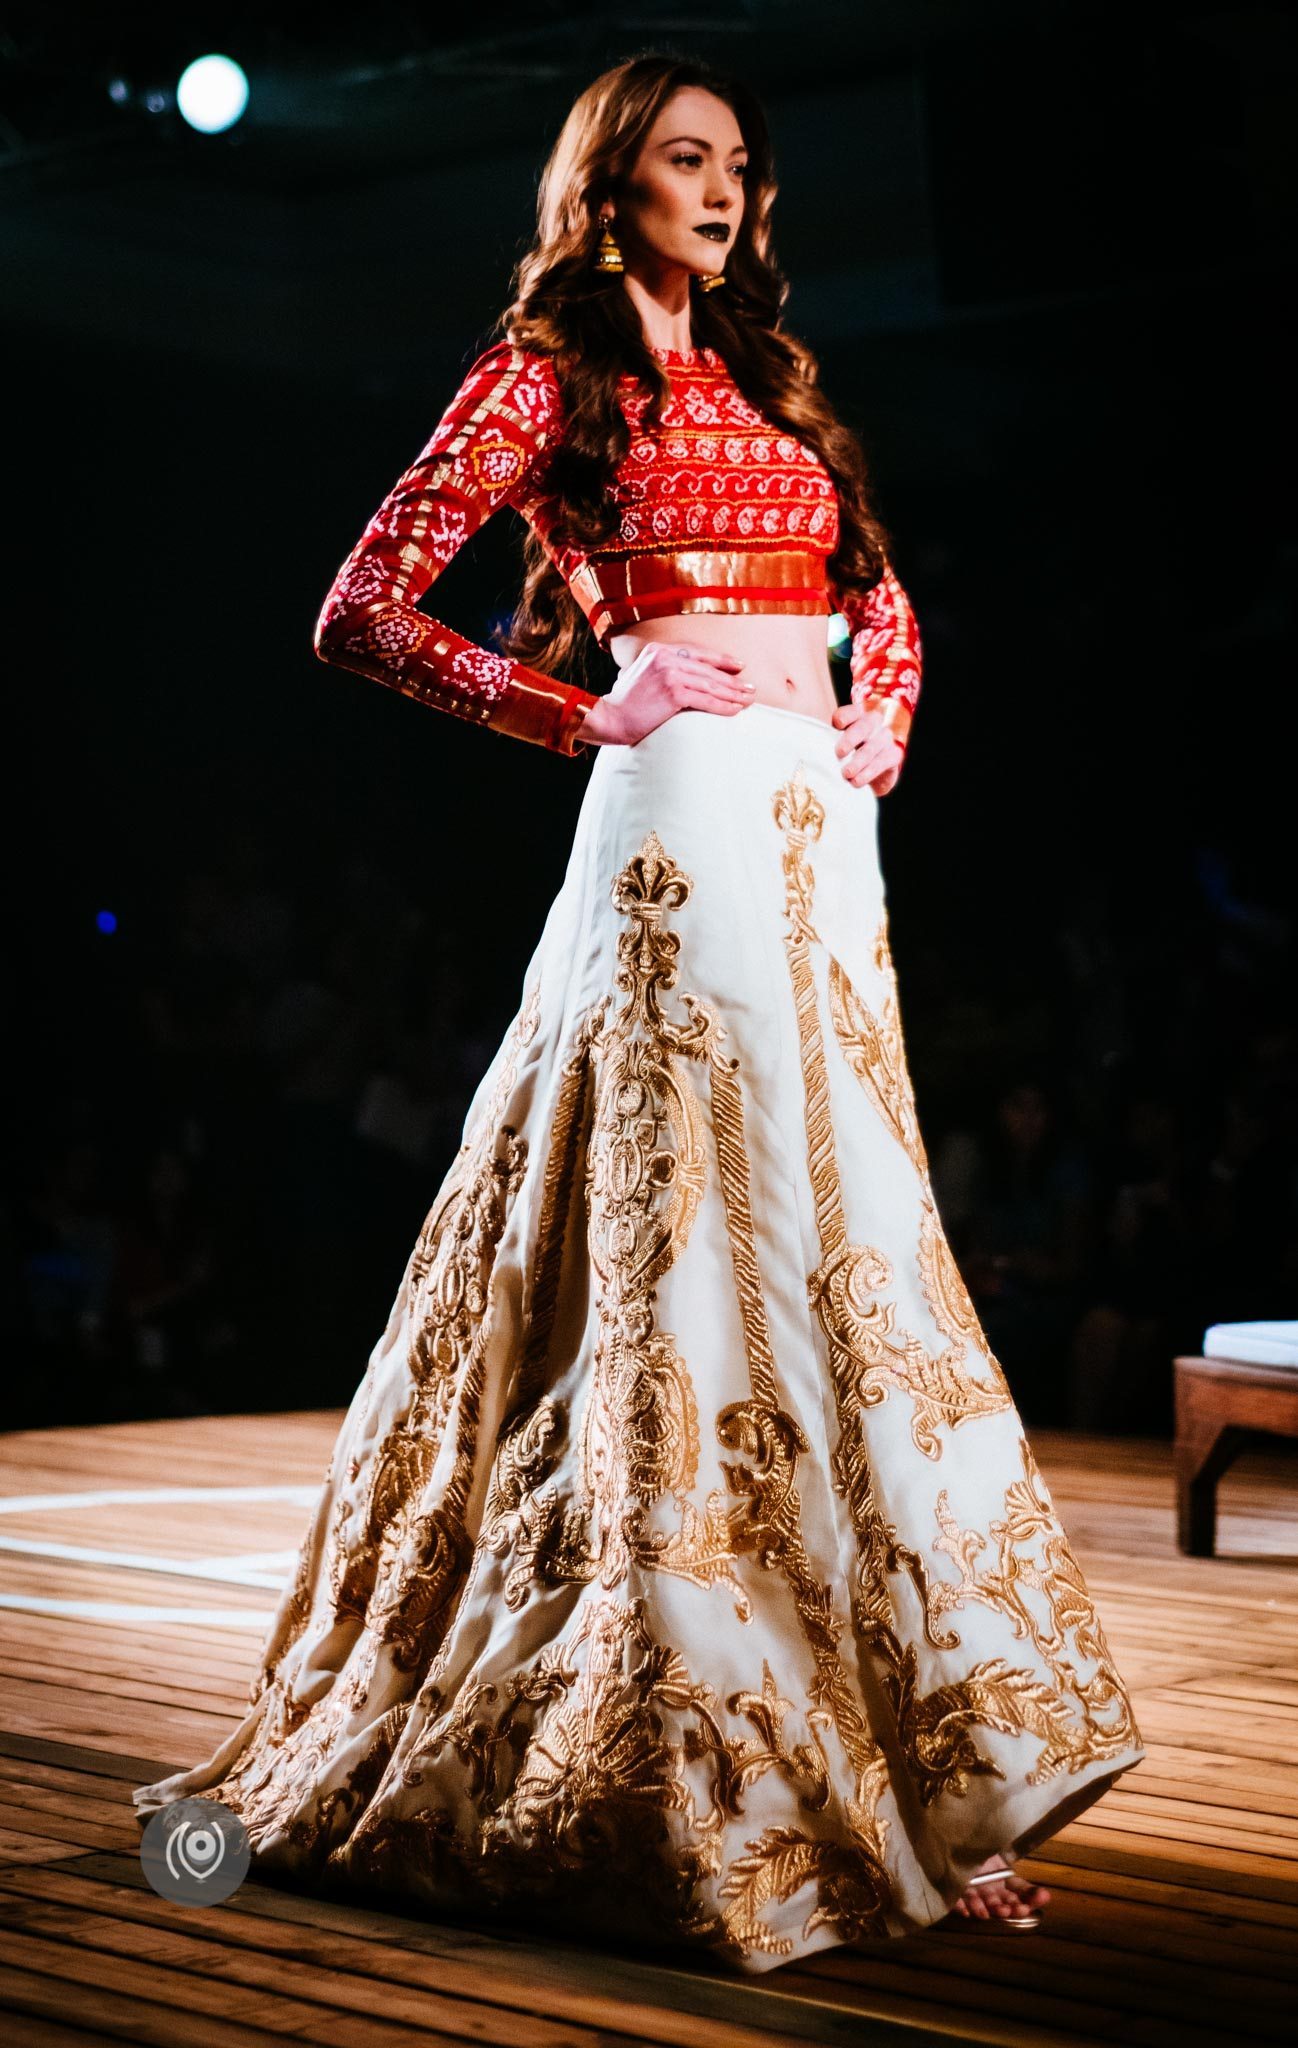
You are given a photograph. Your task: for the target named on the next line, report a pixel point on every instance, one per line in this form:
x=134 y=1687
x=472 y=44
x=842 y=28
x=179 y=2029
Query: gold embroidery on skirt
x=861 y=1329
x=523 y=1516
x=571 y=1769
x=605 y=1755
x=933 y=1729
x=403 y=1575
x=419 y=1583
x=638 y=1441
x=284 y=1766
x=1029 y=1514
x=947 y=1296
x=563 y=1171
x=293 y=1615
x=768 y=1523
x=313 y=1831
x=646 y=1174
x=398 y=1579
x=876 y=1054
x=866 y=1357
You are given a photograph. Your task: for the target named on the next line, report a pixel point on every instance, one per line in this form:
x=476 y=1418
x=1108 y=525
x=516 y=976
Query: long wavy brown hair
x=587 y=322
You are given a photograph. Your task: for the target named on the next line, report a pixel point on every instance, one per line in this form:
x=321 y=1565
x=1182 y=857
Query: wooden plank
x=198 y=1451
x=53 y=1826
x=1176 y=1897
x=1061 y=1969
x=20 y=1846
x=1181 y=1722
x=325 y=1980
x=161 y=1984
x=109 y=1724
x=1050 y=1992
x=1205 y=1766
x=55 y=1579
x=115 y=2016
x=1274 y=1688
x=193 y=1652
x=1093 y=1849
x=75 y=1785
x=24 y=2030
x=131 y=1770
x=1194 y=1929
x=1065 y=1864
x=681 y=2000
x=1269 y=1790
x=134 y=1685
x=1263 y=1849
x=110 y=1816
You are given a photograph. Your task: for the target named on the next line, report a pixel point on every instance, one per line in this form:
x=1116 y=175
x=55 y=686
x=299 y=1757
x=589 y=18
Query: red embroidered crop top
x=720 y=511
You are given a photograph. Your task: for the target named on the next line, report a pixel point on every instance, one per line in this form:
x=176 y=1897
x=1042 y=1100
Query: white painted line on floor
x=277 y=1561
x=229 y=1571
x=116 y=1610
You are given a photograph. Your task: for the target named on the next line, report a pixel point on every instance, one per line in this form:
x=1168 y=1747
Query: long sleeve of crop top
x=885 y=655
x=481 y=456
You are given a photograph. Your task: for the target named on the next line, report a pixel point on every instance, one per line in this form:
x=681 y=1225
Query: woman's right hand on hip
x=665 y=678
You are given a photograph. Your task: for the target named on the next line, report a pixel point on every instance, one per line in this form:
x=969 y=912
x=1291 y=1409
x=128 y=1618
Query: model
x=683 y=1570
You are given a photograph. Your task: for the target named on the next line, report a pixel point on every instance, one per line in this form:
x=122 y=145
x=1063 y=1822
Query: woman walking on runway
x=683 y=1570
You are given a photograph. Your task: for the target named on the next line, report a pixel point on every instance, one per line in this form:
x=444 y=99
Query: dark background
x=1045 y=254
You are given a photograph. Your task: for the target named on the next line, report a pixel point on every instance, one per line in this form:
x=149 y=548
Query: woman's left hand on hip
x=868 y=750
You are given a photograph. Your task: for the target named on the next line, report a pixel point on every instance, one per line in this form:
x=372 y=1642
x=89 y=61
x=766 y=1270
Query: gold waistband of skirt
x=619 y=590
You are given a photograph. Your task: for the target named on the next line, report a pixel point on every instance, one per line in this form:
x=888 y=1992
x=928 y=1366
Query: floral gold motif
x=868 y=1356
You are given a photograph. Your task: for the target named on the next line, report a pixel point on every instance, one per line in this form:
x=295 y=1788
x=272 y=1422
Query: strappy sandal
x=1019 y=1922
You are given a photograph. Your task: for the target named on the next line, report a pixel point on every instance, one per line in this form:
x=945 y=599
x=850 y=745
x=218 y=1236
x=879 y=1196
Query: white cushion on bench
x=1253 y=1343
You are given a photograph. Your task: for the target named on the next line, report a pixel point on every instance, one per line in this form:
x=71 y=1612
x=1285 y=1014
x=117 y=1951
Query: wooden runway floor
x=138 y=1565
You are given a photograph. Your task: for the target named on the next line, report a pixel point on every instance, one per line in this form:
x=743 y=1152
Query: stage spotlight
x=105 y=922
x=212 y=94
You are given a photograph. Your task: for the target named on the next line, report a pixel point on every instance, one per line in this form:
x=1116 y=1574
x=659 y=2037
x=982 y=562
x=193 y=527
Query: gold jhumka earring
x=608 y=256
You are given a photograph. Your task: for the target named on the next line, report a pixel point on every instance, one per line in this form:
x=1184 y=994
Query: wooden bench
x=1220 y=1404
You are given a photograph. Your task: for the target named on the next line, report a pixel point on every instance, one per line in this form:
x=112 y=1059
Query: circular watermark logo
x=195 y=1851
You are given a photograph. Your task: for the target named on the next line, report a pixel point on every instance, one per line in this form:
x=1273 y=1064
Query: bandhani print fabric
x=476 y=460
x=719 y=510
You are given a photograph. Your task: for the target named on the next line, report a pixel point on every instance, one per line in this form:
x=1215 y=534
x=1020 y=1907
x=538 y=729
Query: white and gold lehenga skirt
x=683 y=1571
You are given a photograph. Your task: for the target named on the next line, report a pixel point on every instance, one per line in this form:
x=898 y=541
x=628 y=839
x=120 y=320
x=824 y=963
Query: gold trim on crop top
x=616 y=591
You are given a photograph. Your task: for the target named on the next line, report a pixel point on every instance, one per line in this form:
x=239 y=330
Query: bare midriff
x=784 y=655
